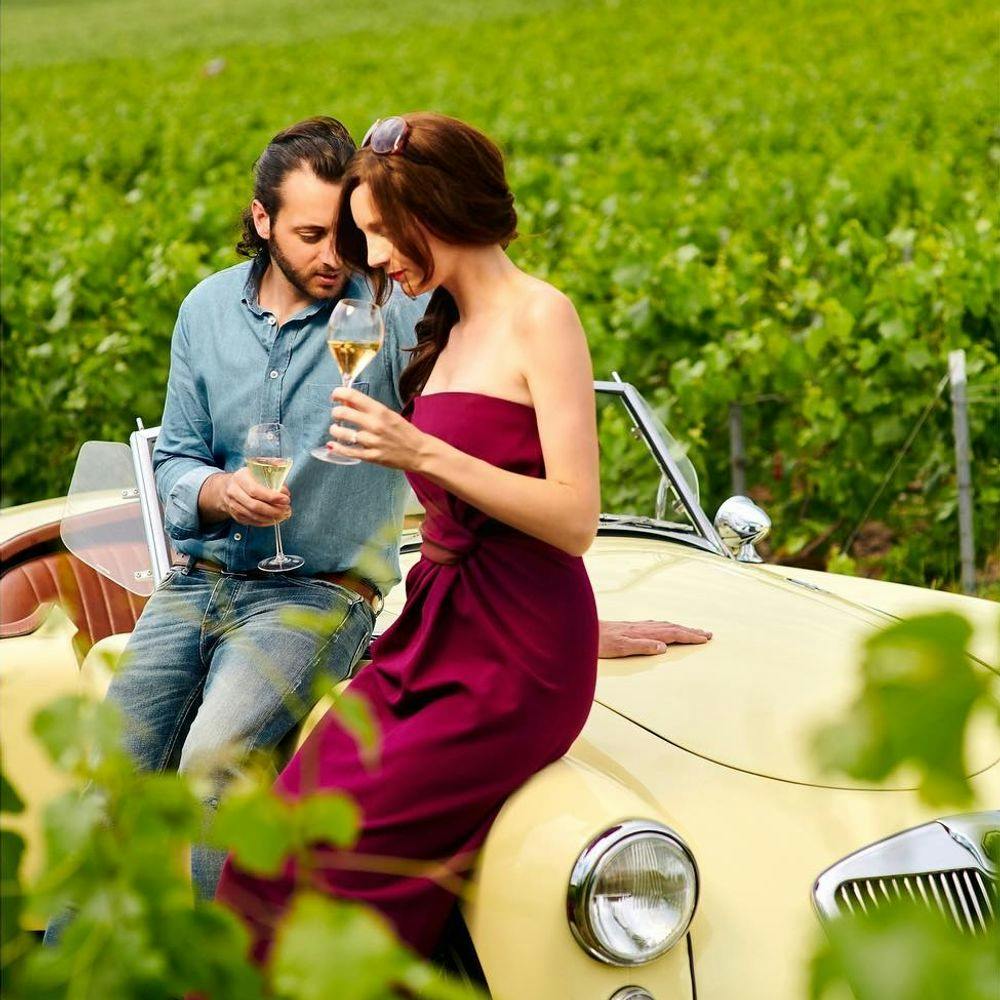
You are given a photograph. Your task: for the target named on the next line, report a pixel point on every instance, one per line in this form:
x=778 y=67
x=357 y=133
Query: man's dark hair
x=322 y=144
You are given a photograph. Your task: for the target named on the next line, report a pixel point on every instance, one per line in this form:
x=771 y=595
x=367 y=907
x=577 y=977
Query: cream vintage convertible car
x=687 y=844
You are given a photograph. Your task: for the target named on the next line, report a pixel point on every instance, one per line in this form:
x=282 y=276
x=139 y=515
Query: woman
x=488 y=674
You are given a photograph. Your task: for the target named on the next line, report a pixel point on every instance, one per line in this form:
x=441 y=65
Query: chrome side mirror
x=740 y=524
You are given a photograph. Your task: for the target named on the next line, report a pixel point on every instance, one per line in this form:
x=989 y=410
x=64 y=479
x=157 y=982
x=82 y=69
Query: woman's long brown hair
x=448 y=181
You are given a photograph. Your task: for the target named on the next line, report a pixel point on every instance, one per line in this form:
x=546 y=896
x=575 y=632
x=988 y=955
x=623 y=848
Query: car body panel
x=34 y=670
x=519 y=890
x=740 y=700
x=16 y=520
x=900 y=600
x=759 y=843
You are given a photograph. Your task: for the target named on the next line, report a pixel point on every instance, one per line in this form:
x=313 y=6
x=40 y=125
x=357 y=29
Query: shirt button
x=271 y=320
x=237 y=536
x=274 y=374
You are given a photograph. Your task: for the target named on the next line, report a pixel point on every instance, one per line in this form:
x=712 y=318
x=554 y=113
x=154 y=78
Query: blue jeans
x=211 y=673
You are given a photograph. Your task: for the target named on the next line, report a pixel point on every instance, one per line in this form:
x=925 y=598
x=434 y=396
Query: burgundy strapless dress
x=486 y=677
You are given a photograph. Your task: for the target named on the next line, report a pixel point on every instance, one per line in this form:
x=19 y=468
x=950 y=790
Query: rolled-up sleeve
x=183 y=459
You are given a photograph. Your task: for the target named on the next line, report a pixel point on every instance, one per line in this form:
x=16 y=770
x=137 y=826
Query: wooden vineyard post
x=960 y=419
x=737 y=457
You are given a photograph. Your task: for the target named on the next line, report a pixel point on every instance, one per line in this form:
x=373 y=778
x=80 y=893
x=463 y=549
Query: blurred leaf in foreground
x=257 y=827
x=79 y=734
x=920 y=688
x=10 y=801
x=904 y=952
x=325 y=943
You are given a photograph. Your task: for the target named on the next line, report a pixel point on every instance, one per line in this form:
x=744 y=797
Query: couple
x=482 y=394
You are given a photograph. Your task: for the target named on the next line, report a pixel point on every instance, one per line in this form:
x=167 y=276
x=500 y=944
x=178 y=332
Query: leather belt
x=371 y=594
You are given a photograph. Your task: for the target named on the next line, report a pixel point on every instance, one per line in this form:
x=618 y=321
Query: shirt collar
x=355 y=288
x=251 y=287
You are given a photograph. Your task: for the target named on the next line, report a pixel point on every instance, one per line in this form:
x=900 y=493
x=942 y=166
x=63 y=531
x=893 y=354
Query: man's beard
x=298 y=279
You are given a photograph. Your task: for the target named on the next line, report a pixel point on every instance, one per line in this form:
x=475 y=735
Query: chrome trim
x=142 y=443
x=581 y=883
x=970 y=830
x=632 y=993
x=933 y=863
x=609 y=530
x=637 y=407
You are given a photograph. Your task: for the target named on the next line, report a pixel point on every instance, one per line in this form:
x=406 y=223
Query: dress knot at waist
x=447 y=555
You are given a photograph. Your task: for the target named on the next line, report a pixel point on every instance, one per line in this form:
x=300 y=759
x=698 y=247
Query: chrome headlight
x=632 y=893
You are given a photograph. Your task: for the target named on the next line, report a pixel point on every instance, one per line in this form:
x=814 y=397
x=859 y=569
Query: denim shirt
x=231 y=366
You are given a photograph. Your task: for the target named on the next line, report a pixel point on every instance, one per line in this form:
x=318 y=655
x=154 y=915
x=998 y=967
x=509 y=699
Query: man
x=212 y=670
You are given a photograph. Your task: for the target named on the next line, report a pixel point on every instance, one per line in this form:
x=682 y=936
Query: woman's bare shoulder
x=546 y=308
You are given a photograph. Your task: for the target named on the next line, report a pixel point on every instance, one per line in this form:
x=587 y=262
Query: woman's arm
x=562 y=508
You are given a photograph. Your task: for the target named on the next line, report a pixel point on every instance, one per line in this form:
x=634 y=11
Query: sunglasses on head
x=388 y=136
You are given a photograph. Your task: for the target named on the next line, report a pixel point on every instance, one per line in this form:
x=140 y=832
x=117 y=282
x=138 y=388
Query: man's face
x=300 y=236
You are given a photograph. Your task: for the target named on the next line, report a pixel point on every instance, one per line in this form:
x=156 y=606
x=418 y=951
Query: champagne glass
x=269 y=458
x=354 y=336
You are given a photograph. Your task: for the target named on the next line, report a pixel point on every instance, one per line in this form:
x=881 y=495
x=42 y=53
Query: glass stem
x=280 y=554
x=345 y=381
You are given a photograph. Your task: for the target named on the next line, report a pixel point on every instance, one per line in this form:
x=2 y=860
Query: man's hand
x=239 y=496
x=644 y=638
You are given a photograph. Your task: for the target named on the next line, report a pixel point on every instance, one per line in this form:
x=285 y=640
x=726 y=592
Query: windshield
x=102 y=520
x=632 y=480
x=677 y=451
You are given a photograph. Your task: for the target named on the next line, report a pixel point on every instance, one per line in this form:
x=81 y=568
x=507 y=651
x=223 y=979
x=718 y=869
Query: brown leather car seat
x=36 y=570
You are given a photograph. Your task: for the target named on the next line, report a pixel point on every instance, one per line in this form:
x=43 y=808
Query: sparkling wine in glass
x=269 y=458
x=354 y=336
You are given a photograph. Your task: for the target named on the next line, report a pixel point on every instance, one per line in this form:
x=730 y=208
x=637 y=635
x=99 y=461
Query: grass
x=47 y=32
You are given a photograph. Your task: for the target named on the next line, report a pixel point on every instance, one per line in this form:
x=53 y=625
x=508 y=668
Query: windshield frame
x=704 y=535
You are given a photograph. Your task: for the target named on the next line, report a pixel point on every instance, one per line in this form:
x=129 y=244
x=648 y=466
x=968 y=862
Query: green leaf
x=328 y=817
x=79 y=733
x=106 y=951
x=10 y=801
x=687 y=253
x=207 y=950
x=991 y=847
x=12 y=895
x=257 y=827
x=71 y=821
x=893 y=329
x=160 y=805
x=431 y=983
x=356 y=716
x=887 y=430
x=325 y=947
x=838 y=321
x=919 y=690
x=868 y=356
x=902 y=951
x=816 y=338
x=917 y=356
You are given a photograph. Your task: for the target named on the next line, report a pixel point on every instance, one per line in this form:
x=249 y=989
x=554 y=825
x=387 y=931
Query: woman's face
x=382 y=252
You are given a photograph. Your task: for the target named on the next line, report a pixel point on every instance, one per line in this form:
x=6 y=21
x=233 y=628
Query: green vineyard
x=786 y=207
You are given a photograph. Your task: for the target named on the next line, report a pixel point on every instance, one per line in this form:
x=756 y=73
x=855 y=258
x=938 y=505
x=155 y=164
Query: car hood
x=784 y=659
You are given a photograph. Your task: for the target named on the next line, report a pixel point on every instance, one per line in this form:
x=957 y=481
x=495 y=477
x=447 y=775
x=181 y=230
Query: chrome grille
x=964 y=896
x=944 y=865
